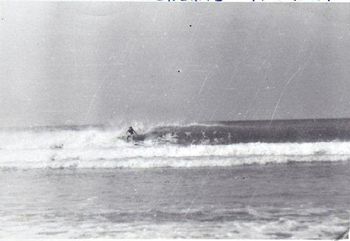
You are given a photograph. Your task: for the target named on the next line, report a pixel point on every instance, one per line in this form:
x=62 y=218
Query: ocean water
x=194 y=181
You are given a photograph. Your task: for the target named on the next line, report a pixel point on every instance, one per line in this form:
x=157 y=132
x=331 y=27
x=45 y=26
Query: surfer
x=130 y=133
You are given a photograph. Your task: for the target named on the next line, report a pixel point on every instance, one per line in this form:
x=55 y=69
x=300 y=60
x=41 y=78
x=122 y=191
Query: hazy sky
x=86 y=62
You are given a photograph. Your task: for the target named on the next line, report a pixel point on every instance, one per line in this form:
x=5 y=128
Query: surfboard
x=130 y=139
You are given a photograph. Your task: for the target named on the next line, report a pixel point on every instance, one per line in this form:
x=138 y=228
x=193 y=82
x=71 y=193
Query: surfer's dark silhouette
x=130 y=133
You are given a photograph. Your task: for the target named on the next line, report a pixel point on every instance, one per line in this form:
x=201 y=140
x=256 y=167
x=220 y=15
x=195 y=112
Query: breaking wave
x=197 y=145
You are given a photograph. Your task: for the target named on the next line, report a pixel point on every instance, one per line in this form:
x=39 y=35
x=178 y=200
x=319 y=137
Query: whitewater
x=106 y=147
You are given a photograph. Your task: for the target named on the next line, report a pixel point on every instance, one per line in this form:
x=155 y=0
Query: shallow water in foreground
x=295 y=200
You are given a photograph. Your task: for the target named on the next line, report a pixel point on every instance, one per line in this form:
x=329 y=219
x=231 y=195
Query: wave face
x=196 y=145
x=222 y=133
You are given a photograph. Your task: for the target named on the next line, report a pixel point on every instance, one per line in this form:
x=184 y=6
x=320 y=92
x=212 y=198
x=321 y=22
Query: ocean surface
x=258 y=179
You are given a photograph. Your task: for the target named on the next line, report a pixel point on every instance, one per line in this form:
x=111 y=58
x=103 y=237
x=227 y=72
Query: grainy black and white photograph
x=174 y=120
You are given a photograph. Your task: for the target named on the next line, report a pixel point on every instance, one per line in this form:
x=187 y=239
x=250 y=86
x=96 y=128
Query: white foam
x=124 y=155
